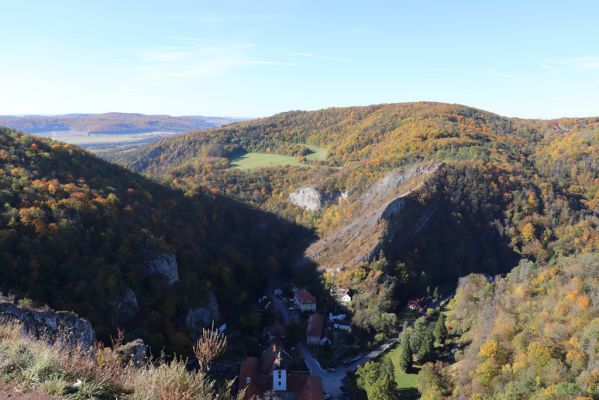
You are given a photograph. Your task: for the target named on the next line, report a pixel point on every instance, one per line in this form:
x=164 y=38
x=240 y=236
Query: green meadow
x=249 y=161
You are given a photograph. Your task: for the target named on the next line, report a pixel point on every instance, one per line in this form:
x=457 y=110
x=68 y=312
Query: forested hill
x=78 y=233
x=379 y=136
x=403 y=198
x=113 y=123
x=409 y=197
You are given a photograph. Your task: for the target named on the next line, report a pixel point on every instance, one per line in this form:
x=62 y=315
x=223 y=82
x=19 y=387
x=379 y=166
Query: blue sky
x=255 y=58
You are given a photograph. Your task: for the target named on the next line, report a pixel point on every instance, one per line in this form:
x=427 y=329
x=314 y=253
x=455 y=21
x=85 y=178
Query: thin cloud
x=304 y=54
x=193 y=61
x=574 y=63
x=498 y=74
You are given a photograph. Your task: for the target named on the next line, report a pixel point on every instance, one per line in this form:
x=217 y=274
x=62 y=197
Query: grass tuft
x=100 y=374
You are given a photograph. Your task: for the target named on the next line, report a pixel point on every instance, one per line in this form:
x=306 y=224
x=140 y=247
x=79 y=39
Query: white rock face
x=200 y=317
x=307 y=198
x=165 y=265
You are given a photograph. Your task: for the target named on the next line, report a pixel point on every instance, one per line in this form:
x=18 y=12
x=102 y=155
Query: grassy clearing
x=262 y=160
x=249 y=161
x=319 y=153
x=403 y=380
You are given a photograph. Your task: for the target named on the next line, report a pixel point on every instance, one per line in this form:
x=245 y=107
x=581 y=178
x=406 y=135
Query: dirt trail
x=12 y=392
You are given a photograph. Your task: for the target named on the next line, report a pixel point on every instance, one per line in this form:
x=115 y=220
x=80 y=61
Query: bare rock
x=125 y=307
x=53 y=326
x=307 y=198
x=362 y=238
x=165 y=265
x=132 y=352
x=201 y=317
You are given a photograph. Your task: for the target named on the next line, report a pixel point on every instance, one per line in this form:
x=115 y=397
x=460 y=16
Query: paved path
x=332 y=381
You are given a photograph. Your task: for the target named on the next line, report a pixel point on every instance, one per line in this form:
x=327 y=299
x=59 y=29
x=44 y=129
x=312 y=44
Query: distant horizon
x=245 y=118
x=67 y=114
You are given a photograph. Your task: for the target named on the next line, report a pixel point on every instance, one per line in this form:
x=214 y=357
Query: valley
x=295 y=200
x=396 y=208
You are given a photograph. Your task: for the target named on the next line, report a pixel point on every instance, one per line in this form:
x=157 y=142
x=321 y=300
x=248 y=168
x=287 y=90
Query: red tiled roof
x=315 y=325
x=250 y=368
x=269 y=355
x=306 y=387
x=305 y=297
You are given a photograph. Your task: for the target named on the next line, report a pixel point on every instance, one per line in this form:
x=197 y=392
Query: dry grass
x=55 y=368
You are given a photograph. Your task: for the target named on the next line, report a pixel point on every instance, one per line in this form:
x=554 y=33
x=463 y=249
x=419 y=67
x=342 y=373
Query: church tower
x=279 y=372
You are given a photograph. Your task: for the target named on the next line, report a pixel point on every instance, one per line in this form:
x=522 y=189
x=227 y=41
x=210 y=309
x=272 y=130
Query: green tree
x=427 y=348
x=440 y=333
x=377 y=380
x=384 y=388
x=432 y=382
x=405 y=355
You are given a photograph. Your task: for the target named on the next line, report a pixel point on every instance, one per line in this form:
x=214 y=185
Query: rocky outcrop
x=53 y=326
x=201 y=317
x=125 y=307
x=133 y=352
x=313 y=200
x=165 y=265
x=388 y=186
x=307 y=198
x=362 y=238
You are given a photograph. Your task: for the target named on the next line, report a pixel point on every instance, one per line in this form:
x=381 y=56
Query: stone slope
x=360 y=240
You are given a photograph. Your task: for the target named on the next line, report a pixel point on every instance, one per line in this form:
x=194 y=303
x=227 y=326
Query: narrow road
x=332 y=381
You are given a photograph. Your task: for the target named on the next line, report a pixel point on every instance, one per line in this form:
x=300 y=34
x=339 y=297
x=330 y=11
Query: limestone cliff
x=361 y=239
x=51 y=325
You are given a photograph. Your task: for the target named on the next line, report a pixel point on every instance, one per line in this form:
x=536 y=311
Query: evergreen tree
x=440 y=333
x=405 y=326
x=405 y=356
x=427 y=348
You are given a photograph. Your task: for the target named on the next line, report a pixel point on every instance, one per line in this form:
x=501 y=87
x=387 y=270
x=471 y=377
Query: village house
x=417 y=304
x=342 y=325
x=342 y=295
x=315 y=329
x=304 y=300
x=336 y=317
x=269 y=378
